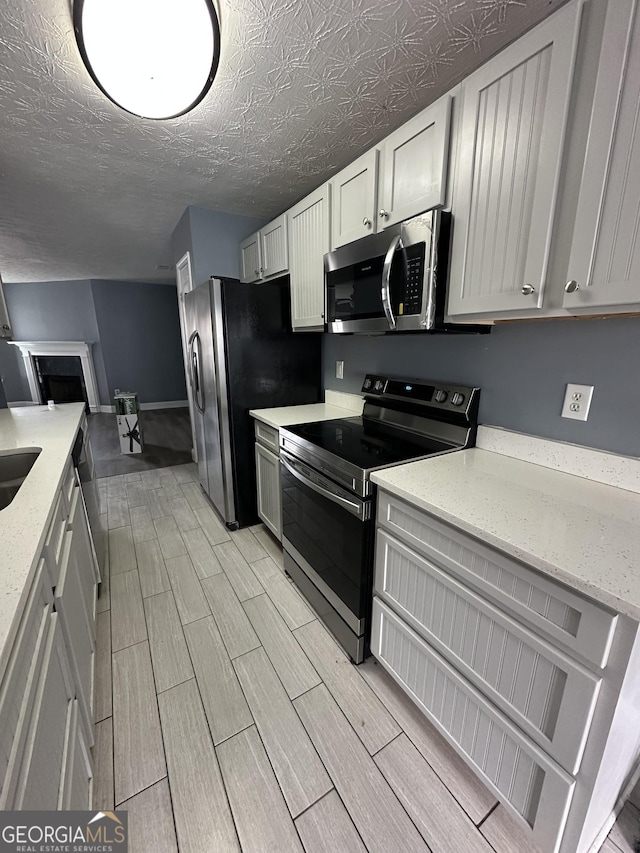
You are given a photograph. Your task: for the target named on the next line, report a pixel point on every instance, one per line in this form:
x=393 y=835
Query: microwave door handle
x=385 y=292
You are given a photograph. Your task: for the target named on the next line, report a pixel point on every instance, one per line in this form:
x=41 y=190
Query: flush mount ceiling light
x=154 y=58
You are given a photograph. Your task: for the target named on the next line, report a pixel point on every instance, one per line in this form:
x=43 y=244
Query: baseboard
x=17 y=404
x=145 y=407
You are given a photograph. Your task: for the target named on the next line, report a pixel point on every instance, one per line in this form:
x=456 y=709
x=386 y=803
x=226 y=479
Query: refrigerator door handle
x=194 y=373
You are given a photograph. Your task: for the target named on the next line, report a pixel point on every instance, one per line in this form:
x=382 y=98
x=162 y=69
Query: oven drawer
x=547 y=694
x=564 y=616
x=267 y=435
x=509 y=763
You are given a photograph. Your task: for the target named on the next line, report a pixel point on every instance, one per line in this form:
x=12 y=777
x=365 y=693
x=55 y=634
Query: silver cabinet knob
x=261 y=270
x=383 y=214
x=257 y=272
x=571 y=286
x=528 y=289
x=366 y=222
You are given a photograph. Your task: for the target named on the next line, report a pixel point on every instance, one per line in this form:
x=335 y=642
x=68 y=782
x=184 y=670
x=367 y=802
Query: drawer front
x=20 y=681
x=578 y=623
x=511 y=765
x=542 y=690
x=267 y=435
x=52 y=550
x=68 y=482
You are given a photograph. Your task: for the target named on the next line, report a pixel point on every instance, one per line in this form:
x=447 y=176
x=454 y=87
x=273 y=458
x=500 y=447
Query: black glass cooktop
x=365 y=444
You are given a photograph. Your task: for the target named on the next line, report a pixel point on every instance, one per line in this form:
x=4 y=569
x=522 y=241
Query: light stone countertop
x=290 y=415
x=584 y=533
x=24 y=523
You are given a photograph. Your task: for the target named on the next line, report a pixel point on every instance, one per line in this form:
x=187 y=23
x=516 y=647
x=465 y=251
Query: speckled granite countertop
x=24 y=523
x=585 y=534
x=289 y=415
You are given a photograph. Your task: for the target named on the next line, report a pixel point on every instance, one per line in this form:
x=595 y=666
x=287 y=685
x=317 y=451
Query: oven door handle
x=358 y=508
x=385 y=291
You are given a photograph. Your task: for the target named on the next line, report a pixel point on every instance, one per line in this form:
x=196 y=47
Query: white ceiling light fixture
x=154 y=58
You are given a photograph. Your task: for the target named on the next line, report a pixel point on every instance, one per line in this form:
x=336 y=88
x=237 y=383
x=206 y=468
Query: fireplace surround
x=82 y=349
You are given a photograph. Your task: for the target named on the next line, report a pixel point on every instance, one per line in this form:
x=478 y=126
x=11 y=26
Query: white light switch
x=577 y=400
x=339 y=369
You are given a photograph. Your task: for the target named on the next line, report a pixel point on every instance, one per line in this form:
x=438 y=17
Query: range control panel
x=425 y=392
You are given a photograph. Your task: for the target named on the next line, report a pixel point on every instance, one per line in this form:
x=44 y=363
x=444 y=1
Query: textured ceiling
x=303 y=87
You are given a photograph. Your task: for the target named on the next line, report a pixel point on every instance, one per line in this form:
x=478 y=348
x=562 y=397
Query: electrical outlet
x=339 y=369
x=577 y=400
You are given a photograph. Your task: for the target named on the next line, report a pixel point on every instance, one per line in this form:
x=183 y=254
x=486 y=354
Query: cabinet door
x=73 y=601
x=512 y=127
x=354 y=194
x=414 y=165
x=75 y=784
x=274 y=246
x=268 y=480
x=605 y=251
x=39 y=780
x=308 y=243
x=250 y=259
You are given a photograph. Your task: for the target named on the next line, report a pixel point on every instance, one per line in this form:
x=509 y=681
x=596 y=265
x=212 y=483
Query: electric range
x=328 y=499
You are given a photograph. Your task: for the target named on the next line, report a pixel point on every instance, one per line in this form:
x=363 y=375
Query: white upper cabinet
x=413 y=165
x=5 y=324
x=265 y=254
x=309 y=239
x=274 y=248
x=604 y=263
x=354 y=193
x=251 y=259
x=512 y=127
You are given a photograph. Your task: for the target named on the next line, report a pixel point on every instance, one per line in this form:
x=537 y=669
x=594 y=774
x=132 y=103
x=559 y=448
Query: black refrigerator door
x=267 y=366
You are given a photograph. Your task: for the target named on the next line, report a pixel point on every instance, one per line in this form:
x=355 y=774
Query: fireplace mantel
x=78 y=348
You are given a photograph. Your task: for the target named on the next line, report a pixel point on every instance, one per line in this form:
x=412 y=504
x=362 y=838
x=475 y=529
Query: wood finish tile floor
x=167 y=442
x=228 y=719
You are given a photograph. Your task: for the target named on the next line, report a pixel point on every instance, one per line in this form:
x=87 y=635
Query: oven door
x=328 y=531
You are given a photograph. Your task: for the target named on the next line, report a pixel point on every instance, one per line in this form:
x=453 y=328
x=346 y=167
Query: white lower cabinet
x=532 y=683
x=268 y=478
x=508 y=762
x=40 y=777
x=46 y=691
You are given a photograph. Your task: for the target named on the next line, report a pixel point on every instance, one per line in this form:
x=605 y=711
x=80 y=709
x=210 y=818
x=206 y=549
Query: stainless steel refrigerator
x=241 y=356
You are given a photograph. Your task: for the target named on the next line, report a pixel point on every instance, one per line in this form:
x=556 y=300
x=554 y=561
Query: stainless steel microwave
x=394 y=281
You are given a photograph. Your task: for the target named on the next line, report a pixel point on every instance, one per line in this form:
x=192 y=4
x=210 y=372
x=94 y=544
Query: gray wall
x=54 y=311
x=13 y=378
x=212 y=237
x=522 y=369
x=134 y=326
x=140 y=337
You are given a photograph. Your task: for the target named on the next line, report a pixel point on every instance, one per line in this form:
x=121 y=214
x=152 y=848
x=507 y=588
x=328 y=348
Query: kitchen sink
x=14 y=468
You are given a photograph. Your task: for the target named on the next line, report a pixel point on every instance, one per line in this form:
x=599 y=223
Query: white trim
x=145 y=407
x=614 y=469
x=184 y=284
x=76 y=348
x=17 y=404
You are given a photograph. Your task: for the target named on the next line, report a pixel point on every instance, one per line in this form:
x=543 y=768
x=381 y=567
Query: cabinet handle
x=571 y=286
x=257 y=272
x=383 y=214
x=528 y=289
x=262 y=270
x=366 y=222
